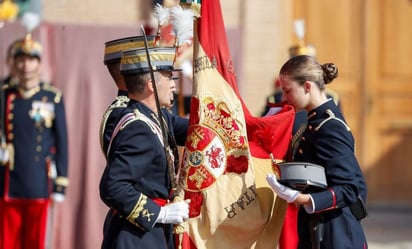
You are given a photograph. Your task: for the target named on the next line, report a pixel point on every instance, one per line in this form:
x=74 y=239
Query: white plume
x=162 y=14
x=182 y=21
x=299 y=27
x=30 y=21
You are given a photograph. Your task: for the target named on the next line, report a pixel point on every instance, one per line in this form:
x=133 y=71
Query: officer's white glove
x=57 y=197
x=174 y=213
x=4 y=155
x=282 y=191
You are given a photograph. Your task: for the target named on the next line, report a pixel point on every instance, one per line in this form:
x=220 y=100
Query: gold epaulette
x=58 y=94
x=120 y=102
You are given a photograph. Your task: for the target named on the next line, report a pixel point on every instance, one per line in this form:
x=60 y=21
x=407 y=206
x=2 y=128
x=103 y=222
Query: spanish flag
x=228 y=152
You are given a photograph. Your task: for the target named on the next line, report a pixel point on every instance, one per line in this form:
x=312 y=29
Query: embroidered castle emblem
x=204 y=158
x=215 y=145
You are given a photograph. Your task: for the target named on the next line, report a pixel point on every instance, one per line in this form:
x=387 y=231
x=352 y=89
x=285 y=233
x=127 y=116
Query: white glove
x=174 y=213
x=57 y=197
x=282 y=191
x=4 y=155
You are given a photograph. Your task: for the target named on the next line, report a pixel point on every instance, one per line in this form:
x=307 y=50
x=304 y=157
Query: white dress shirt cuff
x=310 y=208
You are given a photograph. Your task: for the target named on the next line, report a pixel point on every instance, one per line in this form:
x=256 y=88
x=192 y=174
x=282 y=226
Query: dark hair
x=306 y=68
x=135 y=83
x=114 y=70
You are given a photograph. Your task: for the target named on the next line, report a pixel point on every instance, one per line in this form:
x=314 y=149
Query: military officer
x=328 y=218
x=140 y=175
x=112 y=55
x=36 y=170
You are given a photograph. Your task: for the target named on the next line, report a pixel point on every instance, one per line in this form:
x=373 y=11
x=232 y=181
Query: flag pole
x=158 y=108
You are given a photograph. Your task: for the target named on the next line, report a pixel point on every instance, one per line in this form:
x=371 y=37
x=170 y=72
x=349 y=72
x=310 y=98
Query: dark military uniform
x=35 y=127
x=110 y=118
x=136 y=180
x=327 y=141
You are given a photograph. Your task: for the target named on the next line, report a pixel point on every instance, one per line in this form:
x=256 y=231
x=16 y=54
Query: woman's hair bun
x=330 y=72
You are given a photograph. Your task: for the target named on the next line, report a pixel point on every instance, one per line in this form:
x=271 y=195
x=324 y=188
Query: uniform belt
x=159 y=201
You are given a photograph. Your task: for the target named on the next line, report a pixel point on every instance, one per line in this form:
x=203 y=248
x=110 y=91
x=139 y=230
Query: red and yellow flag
x=228 y=151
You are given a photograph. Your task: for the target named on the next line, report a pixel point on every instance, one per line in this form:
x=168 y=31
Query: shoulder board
x=120 y=102
x=57 y=92
x=331 y=117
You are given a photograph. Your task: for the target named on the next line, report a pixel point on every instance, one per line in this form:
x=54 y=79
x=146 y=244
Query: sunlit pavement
x=388 y=227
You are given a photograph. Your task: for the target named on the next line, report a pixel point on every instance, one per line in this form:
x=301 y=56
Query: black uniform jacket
x=35 y=125
x=135 y=176
x=328 y=142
